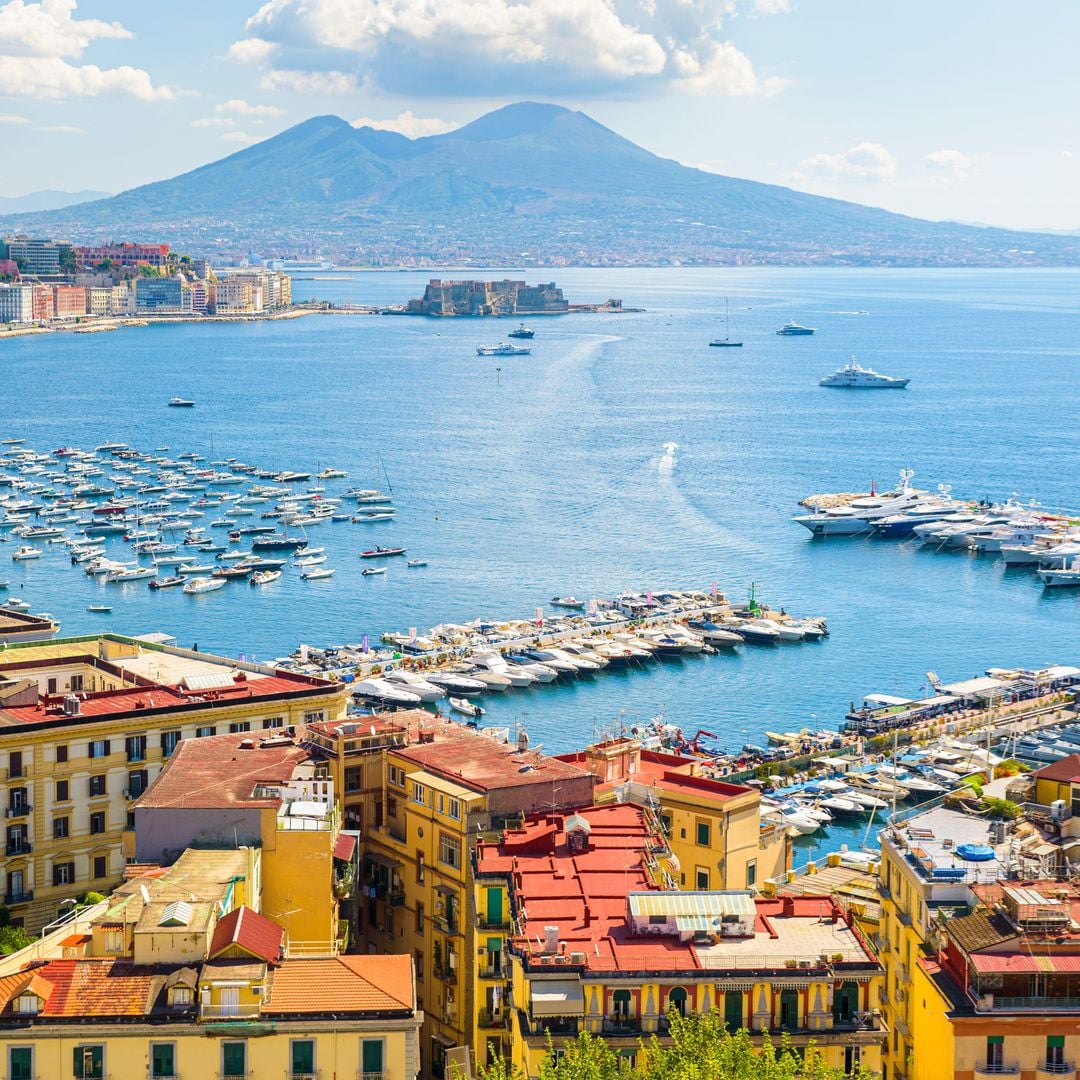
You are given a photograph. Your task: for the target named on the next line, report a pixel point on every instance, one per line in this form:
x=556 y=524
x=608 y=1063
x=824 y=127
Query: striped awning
x=558 y=997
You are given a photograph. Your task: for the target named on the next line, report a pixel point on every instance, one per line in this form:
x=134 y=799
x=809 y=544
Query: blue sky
x=962 y=109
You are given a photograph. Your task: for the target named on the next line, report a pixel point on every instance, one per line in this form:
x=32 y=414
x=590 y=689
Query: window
x=243 y=725
x=315 y=717
x=114 y=941
x=621 y=1004
x=135 y=745
x=702 y=879
x=397 y=775
x=273 y=722
x=61 y=754
x=371 y=1059
x=63 y=873
x=97 y=786
x=419 y=794
x=852 y=1058
x=205 y=732
x=89 y=1063
x=20 y=1063
x=354 y=778
x=453 y=809
x=751 y=873
x=169 y=741
x=63 y=790
x=138 y=782
x=449 y=850
x=162 y=1061
x=181 y=995
x=28 y=1004
x=234 y=1059
x=1055 y=1053
x=50 y=686
x=676 y=1000
x=301 y=1059
x=419 y=868
x=18 y=801
x=97 y=822
x=419 y=916
x=99 y=748
x=100 y=866
x=76 y=683
x=15 y=764
x=703 y=839
x=60 y=827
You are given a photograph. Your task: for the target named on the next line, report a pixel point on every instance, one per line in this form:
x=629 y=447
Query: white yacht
x=416 y=684
x=853 y=376
x=203 y=585
x=1068 y=574
x=504 y=348
x=856 y=516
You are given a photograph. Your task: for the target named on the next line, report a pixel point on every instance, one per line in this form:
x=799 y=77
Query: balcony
x=396 y=897
x=484 y=923
x=17 y=810
x=371 y=1076
x=18 y=897
x=1055 y=1070
x=1039 y=1004
x=19 y=847
x=228 y=1012
x=622 y=1025
x=488 y=1019
x=990 y=1069
x=301 y=1075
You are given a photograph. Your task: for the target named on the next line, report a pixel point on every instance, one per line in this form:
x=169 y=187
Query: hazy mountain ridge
x=526 y=178
x=34 y=201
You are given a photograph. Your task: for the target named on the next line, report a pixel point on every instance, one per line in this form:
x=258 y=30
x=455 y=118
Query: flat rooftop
x=932 y=838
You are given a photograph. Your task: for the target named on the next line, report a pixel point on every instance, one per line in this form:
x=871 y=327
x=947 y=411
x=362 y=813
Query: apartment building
x=16 y=303
x=87 y=723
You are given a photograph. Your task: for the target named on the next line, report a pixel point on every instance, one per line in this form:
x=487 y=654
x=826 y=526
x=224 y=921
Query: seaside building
x=16 y=303
x=714 y=828
x=504 y=297
x=576 y=933
x=99 y=300
x=934 y=863
x=443 y=786
x=235 y=296
x=1000 y=996
x=253 y=290
x=181 y=973
x=163 y=295
x=36 y=257
x=68 y=301
x=124 y=254
x=44 y=305
x=85 y=726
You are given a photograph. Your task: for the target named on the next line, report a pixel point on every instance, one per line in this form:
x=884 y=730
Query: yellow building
x=85 y=726
x=588 y=942
x=444 y=786
x=714 y=828
x=176 y=977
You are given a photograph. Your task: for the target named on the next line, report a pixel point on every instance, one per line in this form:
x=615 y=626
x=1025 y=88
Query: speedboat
x=460 y=684
x=311 y=560
x=167 y=582
x=840 y=804
x=717 y=635
x=231 y=572
x=492 y=680
x=467 y=707
x=756 y=631
x=99 y=609
x=417 y=562
x=26 y=552
x=181 y=403
x=317 y=572
x=387 y=692
x=853 y=376
x=794 y=329
x=416 y=684
x=195 y=568
x=199 y=585
x=550 y=660
x=542 y=673
x=264 y=577
x=382 y=552
x=136 y=573
x=368 y=571
x=567 y=602
x=518 y=675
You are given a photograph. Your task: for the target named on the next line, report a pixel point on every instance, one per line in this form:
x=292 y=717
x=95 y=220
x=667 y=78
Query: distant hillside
x=528 y=183
x=46 y=200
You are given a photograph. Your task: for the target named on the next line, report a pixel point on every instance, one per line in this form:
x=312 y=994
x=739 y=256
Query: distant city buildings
x=37 y=257
x=504 y=297
x=126 y=254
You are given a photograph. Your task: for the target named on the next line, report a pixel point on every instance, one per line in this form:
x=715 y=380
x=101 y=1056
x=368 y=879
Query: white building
x=16 y=303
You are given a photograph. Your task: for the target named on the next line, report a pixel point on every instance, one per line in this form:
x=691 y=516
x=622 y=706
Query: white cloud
x=330 y=83
x=772 y=7
x=865 y=161
x=498 y=47
x=213 y=121
x=408 y=124
x=241 y=137
x=11 y=118
x=60 y=129
x=1067 y=155
x=239 y=107
x=38 y=41
x=949 y=166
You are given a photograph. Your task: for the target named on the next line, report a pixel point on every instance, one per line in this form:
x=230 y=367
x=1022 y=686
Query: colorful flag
x=364 y=646
x=539 y=616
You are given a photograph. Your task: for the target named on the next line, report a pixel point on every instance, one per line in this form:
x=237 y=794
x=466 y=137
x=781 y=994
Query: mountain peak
x=521 y=118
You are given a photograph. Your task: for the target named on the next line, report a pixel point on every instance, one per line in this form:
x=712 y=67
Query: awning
x=382 y=860
x=345 y=847
x=443 y=1040
x=559 y=997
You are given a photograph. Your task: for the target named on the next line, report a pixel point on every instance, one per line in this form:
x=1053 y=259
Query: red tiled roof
x=344 y=847
x=215 y=772
x=85 y=988
x=1013 y=963
x=246 y=929
x=1065 y=769
x=342 y=984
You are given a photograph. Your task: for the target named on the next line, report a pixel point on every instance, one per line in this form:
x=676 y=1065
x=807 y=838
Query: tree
x=12 y=938
x=700 y=1048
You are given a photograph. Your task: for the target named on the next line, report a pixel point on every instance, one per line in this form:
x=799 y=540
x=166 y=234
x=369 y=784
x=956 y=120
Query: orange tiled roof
x=84 y=988
x=254 y=933
x=355 y=984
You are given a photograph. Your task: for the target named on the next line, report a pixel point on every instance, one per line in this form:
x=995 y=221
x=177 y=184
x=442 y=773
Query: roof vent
x=247 y=744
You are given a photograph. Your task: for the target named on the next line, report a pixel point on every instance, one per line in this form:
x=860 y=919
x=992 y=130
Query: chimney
x=588 y=916
x=523 y=741
x=551 y=939
x=789 y=906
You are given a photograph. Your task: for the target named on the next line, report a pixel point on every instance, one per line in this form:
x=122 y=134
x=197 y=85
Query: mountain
x=46 y=200
x=528 y=183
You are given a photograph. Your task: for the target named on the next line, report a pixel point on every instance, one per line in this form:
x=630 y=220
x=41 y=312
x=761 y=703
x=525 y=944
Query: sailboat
x=726 y=342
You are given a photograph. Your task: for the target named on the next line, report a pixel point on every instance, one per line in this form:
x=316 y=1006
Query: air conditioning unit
x=1059 y=810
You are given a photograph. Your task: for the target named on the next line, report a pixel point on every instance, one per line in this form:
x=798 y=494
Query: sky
x=962 y=110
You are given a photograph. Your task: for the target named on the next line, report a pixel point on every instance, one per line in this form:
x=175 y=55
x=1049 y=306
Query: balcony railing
x=1057 y=1068
x=1035 y=1002
x=18 y=897
x=19 y=847
x=998 y=1068
x=489 y=1019
x=19 y=809
x=371 y=1076
x=229 y=1012
x=623 y=1025
x=291 y=1075
x=484 y=923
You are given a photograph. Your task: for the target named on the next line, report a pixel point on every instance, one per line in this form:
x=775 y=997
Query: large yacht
x=503 y=349
x=853 y=376
x=857 y=515
x=794 y=329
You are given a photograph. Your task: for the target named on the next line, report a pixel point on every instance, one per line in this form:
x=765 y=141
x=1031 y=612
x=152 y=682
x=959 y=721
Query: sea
x=623 y=453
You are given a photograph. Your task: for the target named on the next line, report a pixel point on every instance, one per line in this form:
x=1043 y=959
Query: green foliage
x=12 y=938
x=1012 y=767
x=91 y=897
x=700 y=1048
x=975 y=782
x=1000 y=809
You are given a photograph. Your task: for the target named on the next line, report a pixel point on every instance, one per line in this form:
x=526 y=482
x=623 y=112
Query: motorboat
x=310 y=560
x=460 y=684
x=264 y=577
x=168 y=582
x=876 y=785
x=417 y=562
x=99 y=609
x=304 y=552
x=230 y=573
x=576 y=650
x=468 y=708
x=522 y=331
x=389 y=693
x=756 y=631
x=543 y=673
x=567 y=602
x=1065 y=576
x=504 y=348
x=136 y=573
x=181 y=403
x=579 y=663
x=518 y=675
x=316 y=573
x=853 y=376
x=492 y=680
x=839 y=804
x=195 y=568
x=25 y=553
x=855 y=516
x=717 y=635
x=416 y=684
x=382 y=552
x=278 y=542
x=794 y=329
x=370 y=571
x=195 y=586
x=865 y=800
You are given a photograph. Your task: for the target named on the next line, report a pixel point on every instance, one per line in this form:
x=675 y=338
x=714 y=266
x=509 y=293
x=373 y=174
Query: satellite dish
x=144 y=892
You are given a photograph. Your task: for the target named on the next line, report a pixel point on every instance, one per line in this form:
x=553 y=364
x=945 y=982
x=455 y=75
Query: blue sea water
x=525 y=478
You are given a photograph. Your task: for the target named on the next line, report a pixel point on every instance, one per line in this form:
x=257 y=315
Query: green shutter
x=303 y=1056
x=494 y=944
x=20 y=1063
x=494 y=906
x=372 y=1057
x=992 y=1039
x=163 y=1060
x=88 y=1062
x=1055 y=1042
x=233 y=1059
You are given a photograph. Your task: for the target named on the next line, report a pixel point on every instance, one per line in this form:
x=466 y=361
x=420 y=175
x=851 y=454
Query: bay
x=522 y=478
